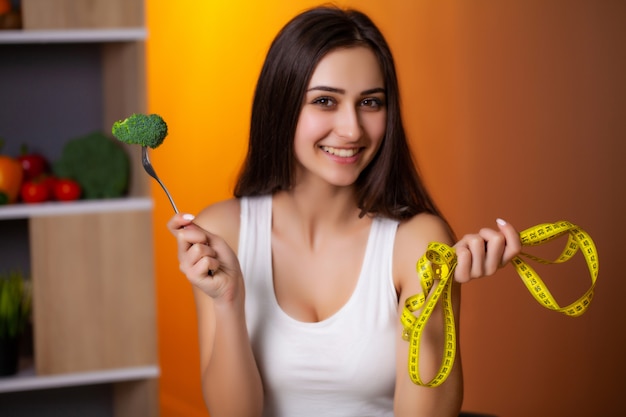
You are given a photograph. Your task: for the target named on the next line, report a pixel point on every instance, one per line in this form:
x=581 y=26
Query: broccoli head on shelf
x=141 y=129
x=99 y=164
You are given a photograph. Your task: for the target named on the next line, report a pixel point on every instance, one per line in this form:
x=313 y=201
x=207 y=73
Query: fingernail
x=501 y=222
x=189 y=217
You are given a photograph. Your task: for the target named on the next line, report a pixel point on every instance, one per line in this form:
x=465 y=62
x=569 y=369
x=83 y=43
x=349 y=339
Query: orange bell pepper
x=11 y=174
x=5 y=6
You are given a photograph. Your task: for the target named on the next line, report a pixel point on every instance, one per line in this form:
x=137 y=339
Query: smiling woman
x=299 y=278
x=484 y=85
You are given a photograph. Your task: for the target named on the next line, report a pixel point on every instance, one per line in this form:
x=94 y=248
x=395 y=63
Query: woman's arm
x=478 y=255
x=412 y=400
x=231 y=382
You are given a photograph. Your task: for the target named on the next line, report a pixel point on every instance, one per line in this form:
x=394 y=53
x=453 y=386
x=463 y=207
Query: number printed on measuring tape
x=438 y=264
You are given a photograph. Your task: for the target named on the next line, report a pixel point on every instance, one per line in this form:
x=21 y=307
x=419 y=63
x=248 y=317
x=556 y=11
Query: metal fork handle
x=147 y=166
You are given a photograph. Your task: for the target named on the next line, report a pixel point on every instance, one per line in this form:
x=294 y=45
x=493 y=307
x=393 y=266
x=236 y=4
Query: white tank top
x=342 y=366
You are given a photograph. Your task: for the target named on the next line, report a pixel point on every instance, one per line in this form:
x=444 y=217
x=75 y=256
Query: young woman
x=299 y=279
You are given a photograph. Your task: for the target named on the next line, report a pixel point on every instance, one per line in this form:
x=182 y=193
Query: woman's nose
x=347 y=123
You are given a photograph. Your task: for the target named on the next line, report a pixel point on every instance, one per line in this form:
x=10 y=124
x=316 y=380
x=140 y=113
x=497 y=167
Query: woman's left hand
x=483 y=253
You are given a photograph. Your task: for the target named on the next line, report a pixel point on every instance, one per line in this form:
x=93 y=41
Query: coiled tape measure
x=443 y=258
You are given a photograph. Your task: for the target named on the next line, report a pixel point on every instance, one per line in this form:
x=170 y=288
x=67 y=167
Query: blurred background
x=515 y=109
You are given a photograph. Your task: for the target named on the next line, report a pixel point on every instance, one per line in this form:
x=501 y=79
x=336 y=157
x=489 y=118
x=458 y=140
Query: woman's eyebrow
x=328 y=89
x=342 y=91
x=373 y=91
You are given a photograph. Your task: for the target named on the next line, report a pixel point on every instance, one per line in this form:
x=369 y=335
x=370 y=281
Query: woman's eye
x=372 y=103
x=324 y=101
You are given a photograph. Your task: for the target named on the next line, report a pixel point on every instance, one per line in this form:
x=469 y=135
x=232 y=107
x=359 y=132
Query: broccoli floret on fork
x=141 y=129
x=149 y=131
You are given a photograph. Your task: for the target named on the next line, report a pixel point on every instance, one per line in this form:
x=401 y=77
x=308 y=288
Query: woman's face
x=343 y=117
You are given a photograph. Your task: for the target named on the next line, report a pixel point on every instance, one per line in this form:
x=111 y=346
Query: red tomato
x=34 y=192
x=66 y=189
x=49 y=180
x=33 y=164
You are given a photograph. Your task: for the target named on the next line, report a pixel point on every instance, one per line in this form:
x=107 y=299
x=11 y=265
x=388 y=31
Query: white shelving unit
x=72 y=36
x=27 y=380
x=52 y=208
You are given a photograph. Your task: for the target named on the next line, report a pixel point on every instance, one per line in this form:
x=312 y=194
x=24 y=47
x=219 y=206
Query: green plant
x=15 y=304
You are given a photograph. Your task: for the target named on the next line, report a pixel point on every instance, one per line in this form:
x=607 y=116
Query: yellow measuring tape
x=438 y=263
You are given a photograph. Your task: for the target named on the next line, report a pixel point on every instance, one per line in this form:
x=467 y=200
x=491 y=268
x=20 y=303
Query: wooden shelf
x=26 y=211
x=72 y=36
x=27 y=380
x=91 y=261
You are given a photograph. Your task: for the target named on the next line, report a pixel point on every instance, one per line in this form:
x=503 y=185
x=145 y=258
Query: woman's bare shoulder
x=423 y=229
x=412 y=239
x=222 y=218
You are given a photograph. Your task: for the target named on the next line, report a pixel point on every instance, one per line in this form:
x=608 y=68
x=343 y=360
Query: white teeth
x=344 y=153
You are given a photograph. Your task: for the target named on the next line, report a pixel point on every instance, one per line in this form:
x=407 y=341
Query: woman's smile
x=344 y=153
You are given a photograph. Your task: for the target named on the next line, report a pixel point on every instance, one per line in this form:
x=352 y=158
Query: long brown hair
x=390 y=185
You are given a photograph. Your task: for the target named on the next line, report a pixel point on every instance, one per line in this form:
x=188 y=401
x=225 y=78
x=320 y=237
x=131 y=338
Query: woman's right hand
x=206 y=259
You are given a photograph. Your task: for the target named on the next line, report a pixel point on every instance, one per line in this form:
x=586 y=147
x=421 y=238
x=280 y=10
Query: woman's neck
x=316 y=213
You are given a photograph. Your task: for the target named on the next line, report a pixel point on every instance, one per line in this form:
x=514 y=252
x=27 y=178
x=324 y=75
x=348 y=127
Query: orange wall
x=516 y=110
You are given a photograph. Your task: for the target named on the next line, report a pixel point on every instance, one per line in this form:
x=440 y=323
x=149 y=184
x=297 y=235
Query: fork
x=147 y=165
